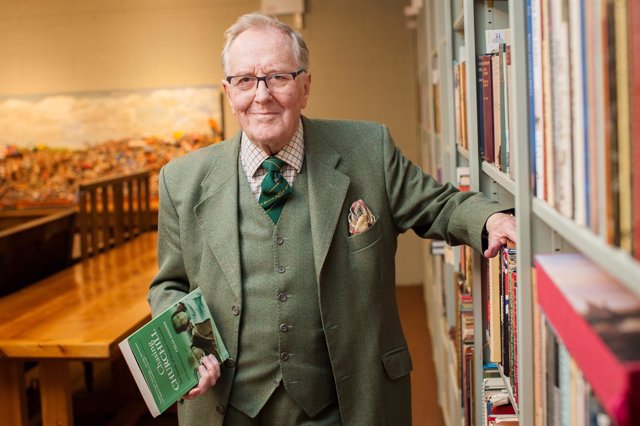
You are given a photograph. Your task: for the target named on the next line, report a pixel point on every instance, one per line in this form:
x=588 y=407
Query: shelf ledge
x=615 y=261
x=501 y=178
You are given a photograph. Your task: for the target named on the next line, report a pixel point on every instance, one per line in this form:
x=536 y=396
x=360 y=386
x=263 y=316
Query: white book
x=579 y=141
x=561 y=93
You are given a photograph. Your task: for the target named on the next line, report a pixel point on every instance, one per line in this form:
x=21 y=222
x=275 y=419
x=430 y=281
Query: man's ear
x=307 y=89
x=225 y=87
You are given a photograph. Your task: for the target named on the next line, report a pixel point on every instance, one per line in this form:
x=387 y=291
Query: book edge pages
x=130 y=359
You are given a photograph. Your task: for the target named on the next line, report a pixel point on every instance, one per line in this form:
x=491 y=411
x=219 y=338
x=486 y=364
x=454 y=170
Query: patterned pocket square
x=360 y=218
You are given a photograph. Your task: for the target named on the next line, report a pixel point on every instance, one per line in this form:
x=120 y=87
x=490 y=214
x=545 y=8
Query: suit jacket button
x=220 y=410
x=236 y=310
x=230 y=363
x=284 y=356
x=284 y=328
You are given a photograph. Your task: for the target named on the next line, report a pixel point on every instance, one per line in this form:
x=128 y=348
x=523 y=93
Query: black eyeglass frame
x=264 y=77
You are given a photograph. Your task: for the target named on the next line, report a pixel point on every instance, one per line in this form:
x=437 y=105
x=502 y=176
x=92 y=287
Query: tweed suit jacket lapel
x=327 y=191
x=217 y=213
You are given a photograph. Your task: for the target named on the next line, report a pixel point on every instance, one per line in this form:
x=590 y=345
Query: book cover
x=164 y=354
x=598 y=320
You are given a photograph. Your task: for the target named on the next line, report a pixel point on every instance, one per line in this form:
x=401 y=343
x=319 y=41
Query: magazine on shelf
x=164 y=354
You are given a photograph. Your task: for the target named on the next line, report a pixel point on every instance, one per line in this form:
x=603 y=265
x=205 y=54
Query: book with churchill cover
x=164 y=354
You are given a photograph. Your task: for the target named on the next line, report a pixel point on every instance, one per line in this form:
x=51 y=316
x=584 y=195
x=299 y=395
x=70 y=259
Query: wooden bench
x=80 y=313
x=112 y=210
x=33 y=245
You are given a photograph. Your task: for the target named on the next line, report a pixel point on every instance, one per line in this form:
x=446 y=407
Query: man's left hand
x=209 y=374
x=501 y=228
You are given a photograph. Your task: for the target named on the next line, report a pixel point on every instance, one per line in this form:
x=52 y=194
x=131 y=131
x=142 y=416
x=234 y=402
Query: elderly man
x=290 y=229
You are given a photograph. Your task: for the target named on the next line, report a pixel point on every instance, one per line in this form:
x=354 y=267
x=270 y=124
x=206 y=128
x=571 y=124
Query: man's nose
x=262 y=91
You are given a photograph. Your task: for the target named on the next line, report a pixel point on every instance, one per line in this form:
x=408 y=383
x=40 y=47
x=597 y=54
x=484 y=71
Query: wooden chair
x=33 y=245
x=112 y=210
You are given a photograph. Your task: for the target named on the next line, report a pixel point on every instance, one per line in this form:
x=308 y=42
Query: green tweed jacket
x=346 y=161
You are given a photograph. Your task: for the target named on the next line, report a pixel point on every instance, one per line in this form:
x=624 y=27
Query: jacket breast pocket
x=397 y=363
x=365 y=239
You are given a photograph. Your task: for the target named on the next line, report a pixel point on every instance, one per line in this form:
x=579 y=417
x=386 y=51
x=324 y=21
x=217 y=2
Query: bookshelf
x=454 y=31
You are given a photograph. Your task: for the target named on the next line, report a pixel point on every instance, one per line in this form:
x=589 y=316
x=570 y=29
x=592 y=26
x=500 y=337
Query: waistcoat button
x=284 y=356
x=282 y=297
x=235 y=309
x=281 y=269
x=284 y=328
x=279 y=241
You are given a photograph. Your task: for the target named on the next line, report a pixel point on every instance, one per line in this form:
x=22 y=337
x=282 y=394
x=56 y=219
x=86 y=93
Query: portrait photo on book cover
x=189 y=322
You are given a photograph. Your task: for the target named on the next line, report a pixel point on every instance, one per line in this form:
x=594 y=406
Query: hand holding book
x=209 y=374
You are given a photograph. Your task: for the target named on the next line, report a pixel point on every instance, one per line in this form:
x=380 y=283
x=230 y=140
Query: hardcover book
x=164 y=354
x=598 y=320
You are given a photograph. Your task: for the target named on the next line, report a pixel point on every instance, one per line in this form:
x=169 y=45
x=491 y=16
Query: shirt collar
x=292 y=153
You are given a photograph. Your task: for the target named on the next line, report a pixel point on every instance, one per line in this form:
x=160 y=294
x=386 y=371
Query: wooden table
x=80 y=313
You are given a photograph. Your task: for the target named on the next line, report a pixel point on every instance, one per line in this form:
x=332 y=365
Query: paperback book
x=164 y=354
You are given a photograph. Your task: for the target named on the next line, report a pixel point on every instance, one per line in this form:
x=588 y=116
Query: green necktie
x=275 y=188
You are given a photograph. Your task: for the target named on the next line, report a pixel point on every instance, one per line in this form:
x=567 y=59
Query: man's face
x=270 y=119
x=180 y=319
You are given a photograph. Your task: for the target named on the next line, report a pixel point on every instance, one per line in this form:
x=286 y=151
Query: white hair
x=260 y=21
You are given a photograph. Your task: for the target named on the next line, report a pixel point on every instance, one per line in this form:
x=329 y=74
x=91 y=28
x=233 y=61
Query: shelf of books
x=533 y=102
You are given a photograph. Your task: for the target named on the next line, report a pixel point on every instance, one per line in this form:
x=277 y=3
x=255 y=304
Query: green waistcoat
x=281 y=335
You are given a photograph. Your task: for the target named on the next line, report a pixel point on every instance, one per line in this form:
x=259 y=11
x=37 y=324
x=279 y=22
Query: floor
x=424 y=389
x=426 y=411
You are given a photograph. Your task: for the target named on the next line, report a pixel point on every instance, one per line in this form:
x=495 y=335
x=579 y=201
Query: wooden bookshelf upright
x=453 y=31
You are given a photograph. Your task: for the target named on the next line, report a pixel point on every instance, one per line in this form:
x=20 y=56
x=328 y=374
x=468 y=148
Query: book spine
x=496 y=85
x=609 y=104
x=579 y=146
x=561 y=93
x=623 y=124
x=593 y=117
x=549 y=172
x=504 y=109
x=480 y=109
x=634 y=66
x=487 y=108
x=536 y=109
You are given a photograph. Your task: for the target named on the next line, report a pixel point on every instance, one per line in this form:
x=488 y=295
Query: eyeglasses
x=273 y=82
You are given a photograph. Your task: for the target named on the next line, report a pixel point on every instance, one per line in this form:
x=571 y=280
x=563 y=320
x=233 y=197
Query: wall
x=361 y=59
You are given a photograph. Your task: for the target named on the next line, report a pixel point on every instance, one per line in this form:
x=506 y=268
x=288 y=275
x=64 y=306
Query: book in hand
x=164 y=354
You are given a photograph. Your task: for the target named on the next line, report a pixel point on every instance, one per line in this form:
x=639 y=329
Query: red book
x=634 y=68
x=487 y=107
x=598 y=320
